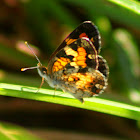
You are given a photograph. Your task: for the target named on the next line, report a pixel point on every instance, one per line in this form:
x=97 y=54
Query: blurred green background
x=45 y=24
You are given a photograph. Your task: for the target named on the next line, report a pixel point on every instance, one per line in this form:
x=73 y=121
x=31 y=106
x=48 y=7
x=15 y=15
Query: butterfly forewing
x=86 y=29
x=78 y=56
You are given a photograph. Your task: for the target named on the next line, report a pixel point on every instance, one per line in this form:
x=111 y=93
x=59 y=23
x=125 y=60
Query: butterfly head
x=42 y=70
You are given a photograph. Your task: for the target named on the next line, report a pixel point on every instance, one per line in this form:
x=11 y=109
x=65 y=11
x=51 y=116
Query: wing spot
x=60 y=64
x=83 y=35
x=92 y=40
x=91 y=56
x=70 y=51
x=99 y=86
x=79 y=56
x=69 y=41
x=74 y=64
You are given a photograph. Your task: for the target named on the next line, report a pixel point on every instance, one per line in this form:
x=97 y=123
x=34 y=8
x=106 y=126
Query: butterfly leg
x=54 y=92
x=42 y=82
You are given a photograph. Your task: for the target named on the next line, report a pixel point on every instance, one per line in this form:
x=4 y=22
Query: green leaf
x=132 y=5
x=124 y=11
x=14 y=132
x=94 y=104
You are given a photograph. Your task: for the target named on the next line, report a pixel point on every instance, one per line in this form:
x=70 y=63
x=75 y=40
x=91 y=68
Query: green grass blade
x=94 y=104
x=132 y=5
x=14 y=132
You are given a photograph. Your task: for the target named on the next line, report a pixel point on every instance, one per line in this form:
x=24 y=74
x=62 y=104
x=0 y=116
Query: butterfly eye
x=44 y=70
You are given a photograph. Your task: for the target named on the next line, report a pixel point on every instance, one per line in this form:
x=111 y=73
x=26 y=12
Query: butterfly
x=76 y=66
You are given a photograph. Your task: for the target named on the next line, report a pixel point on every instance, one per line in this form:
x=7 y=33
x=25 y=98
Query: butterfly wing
x=79 y=53
x=103 y=67
x=86 y=29
x=75 y=69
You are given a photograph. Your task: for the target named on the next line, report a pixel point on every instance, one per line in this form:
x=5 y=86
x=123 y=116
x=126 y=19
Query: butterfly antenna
x=39 y=63
x=24 y=69
x=32 y=52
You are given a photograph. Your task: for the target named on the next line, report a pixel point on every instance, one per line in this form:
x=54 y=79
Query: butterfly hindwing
x=103 y=67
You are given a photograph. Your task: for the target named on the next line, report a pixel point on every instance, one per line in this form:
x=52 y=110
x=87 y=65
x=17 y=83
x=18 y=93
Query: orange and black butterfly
x=76 y=66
